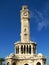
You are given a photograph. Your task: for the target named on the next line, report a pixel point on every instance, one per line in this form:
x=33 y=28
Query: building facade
x=25 y=50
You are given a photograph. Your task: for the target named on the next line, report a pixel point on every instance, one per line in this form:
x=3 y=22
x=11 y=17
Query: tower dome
x=40 y=54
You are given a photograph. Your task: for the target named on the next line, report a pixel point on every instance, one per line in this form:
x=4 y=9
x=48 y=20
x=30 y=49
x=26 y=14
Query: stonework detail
x=25 y=50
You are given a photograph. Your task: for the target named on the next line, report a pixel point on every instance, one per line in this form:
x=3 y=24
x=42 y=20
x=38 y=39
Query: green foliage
x=1 y=61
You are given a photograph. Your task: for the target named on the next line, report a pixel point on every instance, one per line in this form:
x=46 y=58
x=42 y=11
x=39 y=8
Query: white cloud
x=38 y=17
x=41 y=19
x=43 y=24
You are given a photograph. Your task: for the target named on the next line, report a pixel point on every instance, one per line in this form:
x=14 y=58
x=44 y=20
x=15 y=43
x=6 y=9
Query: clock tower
x=25 y=50
x=25 y=20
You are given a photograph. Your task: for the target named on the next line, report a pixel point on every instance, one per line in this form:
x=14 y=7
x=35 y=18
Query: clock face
x=25 y=13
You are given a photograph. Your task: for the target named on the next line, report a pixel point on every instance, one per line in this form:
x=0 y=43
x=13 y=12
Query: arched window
x=30 y=49
x=34 y=50
x=8 y=63
x=18 y=49
x=14 y=63
x=21 y=48
x=27 y=48
x=24 y=48
x=38 y=63
x=25 y=64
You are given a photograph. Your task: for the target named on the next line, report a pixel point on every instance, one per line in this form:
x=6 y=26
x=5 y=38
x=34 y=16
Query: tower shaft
x=25 y=30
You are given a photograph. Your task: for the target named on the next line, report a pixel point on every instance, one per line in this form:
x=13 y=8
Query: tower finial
x=24 y=7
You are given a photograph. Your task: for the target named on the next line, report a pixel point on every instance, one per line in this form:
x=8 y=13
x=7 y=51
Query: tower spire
x=25 y=30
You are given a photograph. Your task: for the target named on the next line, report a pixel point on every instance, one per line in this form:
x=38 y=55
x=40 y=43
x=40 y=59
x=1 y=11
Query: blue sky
x=10 y=25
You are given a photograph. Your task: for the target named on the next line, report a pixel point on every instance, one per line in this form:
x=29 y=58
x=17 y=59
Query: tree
x=1 y=61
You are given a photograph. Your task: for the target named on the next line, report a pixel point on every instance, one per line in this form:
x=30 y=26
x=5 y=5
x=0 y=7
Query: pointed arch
x=14 y=63
x=22 y=49
x=26 y=64
x=38 y=63
x=30 y=49
x=8 y=63
x=27 y=48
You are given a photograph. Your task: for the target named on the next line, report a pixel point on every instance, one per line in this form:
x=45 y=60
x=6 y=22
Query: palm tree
x=1 y=61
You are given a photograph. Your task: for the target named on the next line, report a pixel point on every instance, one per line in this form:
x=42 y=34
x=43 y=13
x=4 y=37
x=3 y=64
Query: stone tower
x=25 y=31
x=25 y=50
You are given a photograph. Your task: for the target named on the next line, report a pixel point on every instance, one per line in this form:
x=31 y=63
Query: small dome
x=12 y=54
x=40 y=54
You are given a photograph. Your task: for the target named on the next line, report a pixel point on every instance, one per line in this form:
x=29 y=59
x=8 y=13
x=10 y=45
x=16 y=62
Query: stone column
x=31 y=49
x=19 y=49
x=15 y=49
